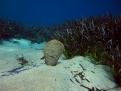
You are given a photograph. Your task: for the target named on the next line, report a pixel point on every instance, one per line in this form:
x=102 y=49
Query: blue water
x=48 y=12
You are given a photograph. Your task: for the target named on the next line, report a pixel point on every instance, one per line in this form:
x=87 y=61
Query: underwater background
x=49 y=12
x=84 y=34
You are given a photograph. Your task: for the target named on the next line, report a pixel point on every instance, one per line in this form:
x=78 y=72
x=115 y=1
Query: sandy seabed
x=76 y=74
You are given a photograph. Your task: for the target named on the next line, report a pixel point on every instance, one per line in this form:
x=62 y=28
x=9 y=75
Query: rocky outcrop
x=53 y=51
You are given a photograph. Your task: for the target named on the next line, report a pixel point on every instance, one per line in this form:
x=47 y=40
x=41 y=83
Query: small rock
x=53 y=51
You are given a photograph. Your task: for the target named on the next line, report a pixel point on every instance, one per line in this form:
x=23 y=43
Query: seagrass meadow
x=96 y=37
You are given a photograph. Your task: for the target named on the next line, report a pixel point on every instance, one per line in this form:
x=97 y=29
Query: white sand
x=40 y=77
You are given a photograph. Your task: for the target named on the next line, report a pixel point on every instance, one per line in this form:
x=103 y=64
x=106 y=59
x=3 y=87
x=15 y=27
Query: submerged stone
x=53 y=51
